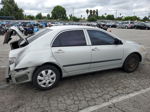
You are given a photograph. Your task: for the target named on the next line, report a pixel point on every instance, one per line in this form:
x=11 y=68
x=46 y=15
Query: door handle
x=95 y=49
x=59 y=51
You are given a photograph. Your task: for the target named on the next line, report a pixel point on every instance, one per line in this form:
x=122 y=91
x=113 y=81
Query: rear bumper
x=20 y=75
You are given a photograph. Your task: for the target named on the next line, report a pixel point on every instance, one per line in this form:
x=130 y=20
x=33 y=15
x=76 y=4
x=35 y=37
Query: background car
x=142 y=25
x=111 y=24
x=126 y=24
x=102 y=26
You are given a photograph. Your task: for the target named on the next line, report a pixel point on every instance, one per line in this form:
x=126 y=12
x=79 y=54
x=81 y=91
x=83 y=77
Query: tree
x=145 y=18
x=101 y=17
x=97 y=12
x=119 y=18
x=39 y=16
x=94 y=12
x=48 y=16
x=44 y=17
x=110 y=17
x=10 y=8
x=91 y=13
x=131 y=18
x=59 y=13
x=87 y=11
x=92 y=18
x=73 y=18
x=29 y=17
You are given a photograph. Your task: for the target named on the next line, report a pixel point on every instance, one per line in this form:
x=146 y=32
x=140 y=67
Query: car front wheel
x=131 y=63
x=46 y=77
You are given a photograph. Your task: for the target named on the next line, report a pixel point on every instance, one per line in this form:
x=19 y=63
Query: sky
x=78 y=7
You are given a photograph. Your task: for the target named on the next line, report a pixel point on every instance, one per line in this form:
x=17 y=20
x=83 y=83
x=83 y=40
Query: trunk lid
x=9 y=33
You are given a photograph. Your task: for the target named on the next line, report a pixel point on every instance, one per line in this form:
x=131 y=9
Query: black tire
x=39 y=70
x=131 y=63
x=147 y=28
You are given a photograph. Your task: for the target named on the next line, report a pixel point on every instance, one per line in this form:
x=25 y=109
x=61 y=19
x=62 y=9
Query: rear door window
x=70 y=38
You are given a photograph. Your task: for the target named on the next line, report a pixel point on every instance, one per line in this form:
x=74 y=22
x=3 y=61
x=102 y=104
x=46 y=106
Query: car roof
x=68 y=27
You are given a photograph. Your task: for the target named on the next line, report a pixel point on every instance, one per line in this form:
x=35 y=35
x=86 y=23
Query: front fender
x=134 y=48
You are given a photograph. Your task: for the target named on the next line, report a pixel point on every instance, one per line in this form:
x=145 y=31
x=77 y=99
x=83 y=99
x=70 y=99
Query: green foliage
x=48 y=16
x=131 y=18
x=73 y=18
x=93 y=15
x=110 y=17
x=59 y=13
x=29 y=17
x=119 y=18
x=44 y=17
x=92 y=18
x=10 y=8
x=101 y=17
x=39 y=16
x=145 y=18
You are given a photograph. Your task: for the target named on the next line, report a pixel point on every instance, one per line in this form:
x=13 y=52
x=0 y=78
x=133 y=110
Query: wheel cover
x=132 y=64
x=46 y=78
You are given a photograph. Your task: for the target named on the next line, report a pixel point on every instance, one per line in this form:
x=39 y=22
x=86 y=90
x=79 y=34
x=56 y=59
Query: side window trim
x=88 y=41
x=66 y=31
x=88 y=37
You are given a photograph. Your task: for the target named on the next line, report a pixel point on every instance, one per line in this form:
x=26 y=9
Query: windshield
x=37 y=35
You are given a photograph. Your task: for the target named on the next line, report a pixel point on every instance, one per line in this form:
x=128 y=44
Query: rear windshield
x=38 y=34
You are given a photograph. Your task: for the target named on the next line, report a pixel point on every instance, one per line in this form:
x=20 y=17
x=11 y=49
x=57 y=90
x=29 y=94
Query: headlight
x=12 y=60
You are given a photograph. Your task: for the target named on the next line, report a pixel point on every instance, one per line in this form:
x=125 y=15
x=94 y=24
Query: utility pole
x=116 y=13
x=73 y=11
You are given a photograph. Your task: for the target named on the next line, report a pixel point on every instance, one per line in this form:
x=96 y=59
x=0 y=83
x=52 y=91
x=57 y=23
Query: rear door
x=71 y=51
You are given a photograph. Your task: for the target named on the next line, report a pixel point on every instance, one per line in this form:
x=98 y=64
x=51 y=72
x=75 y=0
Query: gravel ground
x=78 y=92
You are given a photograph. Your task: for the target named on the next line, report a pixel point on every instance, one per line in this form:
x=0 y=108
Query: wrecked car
x=61 y=51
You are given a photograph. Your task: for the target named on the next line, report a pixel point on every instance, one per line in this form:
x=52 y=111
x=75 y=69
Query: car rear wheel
x=46 y=77
x=131 y=63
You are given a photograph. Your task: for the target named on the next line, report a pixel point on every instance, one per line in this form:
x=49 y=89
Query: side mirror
x=117 y=41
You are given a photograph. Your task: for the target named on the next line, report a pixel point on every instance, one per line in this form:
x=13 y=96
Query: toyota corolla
x=61 y=51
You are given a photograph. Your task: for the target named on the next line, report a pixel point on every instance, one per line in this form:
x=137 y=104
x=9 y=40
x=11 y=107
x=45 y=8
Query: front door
x=104 y=52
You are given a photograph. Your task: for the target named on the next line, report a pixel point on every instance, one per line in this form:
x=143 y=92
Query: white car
x=62 y=51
